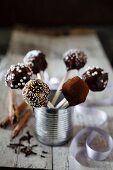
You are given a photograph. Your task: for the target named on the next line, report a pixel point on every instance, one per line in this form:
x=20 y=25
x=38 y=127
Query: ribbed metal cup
x=53 y=126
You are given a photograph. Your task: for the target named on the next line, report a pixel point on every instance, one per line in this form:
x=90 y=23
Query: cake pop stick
x=73 y=59
x=50 y=105
x=61 y=103
x=39 y=76
x=36 y=93
x=58 y=92
x=75 y=91
x=35 y=59
x=66 y=104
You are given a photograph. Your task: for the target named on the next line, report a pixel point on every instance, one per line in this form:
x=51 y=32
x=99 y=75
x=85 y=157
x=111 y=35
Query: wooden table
x=54 y=44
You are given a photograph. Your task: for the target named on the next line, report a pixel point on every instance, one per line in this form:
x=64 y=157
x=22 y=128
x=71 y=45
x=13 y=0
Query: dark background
x=96 y=14
x=56 y=13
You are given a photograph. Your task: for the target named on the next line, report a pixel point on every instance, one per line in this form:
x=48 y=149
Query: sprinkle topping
x=96 y=78
x=36 y=93
x=74 y=59
x=17 y=76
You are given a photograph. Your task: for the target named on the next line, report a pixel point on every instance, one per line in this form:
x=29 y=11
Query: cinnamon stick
x=22 y=122
x=22 y=106
x=6 y=121
x=13 y=108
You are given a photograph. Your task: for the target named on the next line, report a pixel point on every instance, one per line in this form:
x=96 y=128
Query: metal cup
x=53 y=126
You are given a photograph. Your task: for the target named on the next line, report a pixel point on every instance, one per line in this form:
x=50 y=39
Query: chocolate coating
x=36 y=93
x=36 y=61
x=96 y=78
x=17 y=76
x=75 y=90
x=74 y=59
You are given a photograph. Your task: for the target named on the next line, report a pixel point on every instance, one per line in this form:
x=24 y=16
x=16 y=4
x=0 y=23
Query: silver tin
x=53 y=126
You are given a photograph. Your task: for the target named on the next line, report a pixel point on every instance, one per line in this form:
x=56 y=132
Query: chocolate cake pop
x=95 y=78
x=17 y=76
x=35 y=59
x=74 y=59
x=36 y=93
x=75 y=91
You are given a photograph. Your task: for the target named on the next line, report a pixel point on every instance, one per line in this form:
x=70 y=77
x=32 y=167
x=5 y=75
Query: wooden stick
x=40 y=75
x=58 y=92
x=13 y=108
x=61 y=103
x=6 y=121
x=21 y=124
x=50 y=105
x=66 y=104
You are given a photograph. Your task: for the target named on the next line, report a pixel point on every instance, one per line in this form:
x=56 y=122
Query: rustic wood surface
x=54 y=44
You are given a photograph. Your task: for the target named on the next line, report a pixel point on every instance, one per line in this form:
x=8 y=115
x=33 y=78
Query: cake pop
x=95 y=78
x=75 y=91
x=17 y=76
x=36 y=93
x=35 y=59
x=73 y=59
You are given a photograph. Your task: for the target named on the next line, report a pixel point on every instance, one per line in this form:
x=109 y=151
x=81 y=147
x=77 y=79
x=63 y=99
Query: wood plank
x=54 y=47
